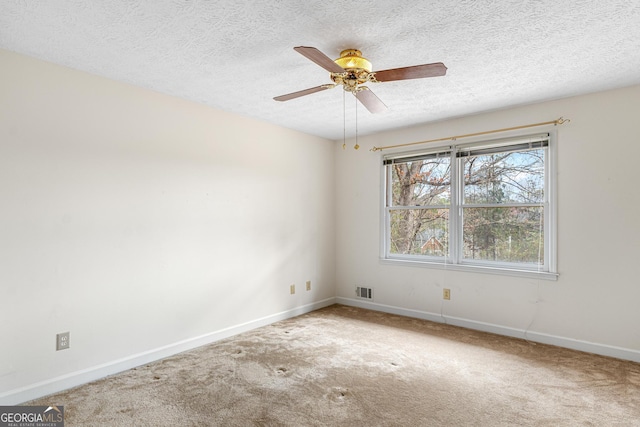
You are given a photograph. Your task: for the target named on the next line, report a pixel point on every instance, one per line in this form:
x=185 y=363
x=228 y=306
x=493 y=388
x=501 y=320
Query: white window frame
x=546 y=271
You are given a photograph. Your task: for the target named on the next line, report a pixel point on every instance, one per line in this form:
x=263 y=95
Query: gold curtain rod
x=453 y=138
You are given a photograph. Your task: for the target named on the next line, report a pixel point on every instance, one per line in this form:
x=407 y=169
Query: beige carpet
x=344 y=366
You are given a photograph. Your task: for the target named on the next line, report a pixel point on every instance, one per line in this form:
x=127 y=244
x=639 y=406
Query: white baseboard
x=54 y=385
x=589 y=347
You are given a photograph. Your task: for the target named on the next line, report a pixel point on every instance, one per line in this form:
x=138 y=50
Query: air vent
x=366 y=293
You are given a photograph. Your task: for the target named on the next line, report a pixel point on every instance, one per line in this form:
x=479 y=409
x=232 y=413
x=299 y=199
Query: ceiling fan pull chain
x=356 y=98
x=344 y=121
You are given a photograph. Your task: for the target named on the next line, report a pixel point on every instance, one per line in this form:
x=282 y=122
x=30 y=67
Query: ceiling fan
x=352 y=71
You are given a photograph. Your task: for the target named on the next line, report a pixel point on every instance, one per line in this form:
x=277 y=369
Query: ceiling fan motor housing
x=353 y=59
x=357 y=70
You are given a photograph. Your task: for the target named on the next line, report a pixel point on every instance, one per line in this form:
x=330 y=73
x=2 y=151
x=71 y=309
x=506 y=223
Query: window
x=486 y=205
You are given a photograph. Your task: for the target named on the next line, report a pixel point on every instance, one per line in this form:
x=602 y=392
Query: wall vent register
x=365 y=293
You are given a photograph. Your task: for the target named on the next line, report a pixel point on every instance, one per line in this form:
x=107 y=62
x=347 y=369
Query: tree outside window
x=484 y=203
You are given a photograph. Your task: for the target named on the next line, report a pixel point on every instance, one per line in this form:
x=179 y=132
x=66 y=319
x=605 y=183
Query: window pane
x=504 y=234
x=515 y=177
x=420 y=232
x=422 y=182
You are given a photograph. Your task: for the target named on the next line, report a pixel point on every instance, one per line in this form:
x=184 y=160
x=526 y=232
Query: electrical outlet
x=62 y=341
x=446 y=293
x=293 y=289
x=308 y=285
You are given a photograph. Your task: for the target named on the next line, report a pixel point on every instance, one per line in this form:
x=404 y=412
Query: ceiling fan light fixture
x=352 y=58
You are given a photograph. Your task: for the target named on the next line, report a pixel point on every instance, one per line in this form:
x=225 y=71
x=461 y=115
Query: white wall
x=593 y=305
x=145 y=225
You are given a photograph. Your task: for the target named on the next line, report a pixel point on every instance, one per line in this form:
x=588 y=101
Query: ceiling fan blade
x=302 y=93
x=370 y=100
x=319 y=58
x=416 y=72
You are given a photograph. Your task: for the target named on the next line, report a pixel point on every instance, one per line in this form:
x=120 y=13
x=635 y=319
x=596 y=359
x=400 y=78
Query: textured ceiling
x=237 y=55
